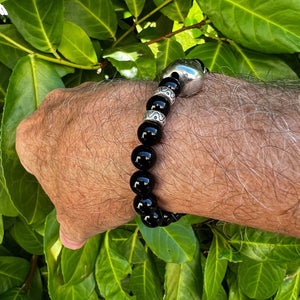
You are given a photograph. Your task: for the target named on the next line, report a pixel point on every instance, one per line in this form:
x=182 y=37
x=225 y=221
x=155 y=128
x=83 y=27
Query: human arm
x=231 y=152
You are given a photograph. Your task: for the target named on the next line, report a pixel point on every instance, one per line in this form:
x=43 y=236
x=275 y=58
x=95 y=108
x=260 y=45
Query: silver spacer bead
x=165 y=92
x=189 y=72
x=155 y=116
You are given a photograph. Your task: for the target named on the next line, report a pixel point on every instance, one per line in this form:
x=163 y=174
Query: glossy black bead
x=145 y=205
x=167 y=218
x=149 y=133
x=143 y=157
x=142 y=182
x=171 y=83
x=158 y=103
x=153 y=220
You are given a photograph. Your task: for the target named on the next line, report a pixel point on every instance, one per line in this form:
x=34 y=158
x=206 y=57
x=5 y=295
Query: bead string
x=143 y=156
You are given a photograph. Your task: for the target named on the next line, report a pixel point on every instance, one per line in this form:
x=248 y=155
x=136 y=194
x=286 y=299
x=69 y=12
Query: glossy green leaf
x=97 y=18
x=214 y=270
x=265 y=67
x=235 y=292
x=31 y=80
x=12 y=45
x=1 y=229
x=136 y=61
x=259 y=280
x=15 y=293
x=5 y=74
x=76 y=46
x=35 y=291
x=39 y=21
x=79 y=264
x=266 y=246
x=27 y=238
x=177 y=10
x=135 y=6
x=111 y=267
x=184 y=281
x=217 y=57
x=168 y=51
x=175 y=243
x=289 y=288
x=268 y=26
x=13 y=272
x=144 y=282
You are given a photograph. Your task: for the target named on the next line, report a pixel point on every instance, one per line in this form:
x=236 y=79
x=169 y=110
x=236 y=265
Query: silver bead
x=165 y=92
x=155 y=116
x=189 y=72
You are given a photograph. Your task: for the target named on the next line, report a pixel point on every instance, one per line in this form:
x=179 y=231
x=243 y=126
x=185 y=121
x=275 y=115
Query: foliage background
x=46 y=44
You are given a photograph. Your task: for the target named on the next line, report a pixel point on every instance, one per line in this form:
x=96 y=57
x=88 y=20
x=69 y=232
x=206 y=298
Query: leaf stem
x=184 y=28
x=140 y=21
x=31 y=272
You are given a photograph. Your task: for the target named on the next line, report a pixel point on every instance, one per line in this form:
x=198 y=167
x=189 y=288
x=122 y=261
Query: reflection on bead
x=143 y=157
x=145 y=205
x=155 y=116
x=165 y=92
x=171 y=83
x=158 y=103
x=152 y=220
x=142 y=182
x=149 y=133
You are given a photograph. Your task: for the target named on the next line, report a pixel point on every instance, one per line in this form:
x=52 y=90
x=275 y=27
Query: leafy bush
x=46 y=44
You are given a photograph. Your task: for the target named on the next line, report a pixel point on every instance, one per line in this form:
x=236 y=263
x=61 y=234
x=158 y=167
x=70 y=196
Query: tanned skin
x=230 y=152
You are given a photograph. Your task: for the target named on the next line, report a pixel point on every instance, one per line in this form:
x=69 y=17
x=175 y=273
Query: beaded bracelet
x=181 y=77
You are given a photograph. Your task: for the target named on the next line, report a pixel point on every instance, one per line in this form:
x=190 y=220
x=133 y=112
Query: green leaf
x=31 y=80
x=217 y=57
x=184 y=281
x=135 y=6
x=259 y=280
x=5 y=74
x=270 y=27
x=79 y=264
x=289 y=288
x=97 y=18
x=27 y=238
x=111 y=267
x=13 y=272
x=133 y=61
x=15 y=294
x=76 y=46
x=175 y=243
x=235 y=292
x=39 y=21
x=265 y=246
x=35 y=290
x=1 y=229
x=144 y=282
x=177 y=10
x=168 y=51
x=214 y=270
x=265 y=67
x=12 y=45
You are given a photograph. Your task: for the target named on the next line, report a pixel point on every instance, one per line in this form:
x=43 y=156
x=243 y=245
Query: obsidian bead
x=149 y=133
x=142 y=182
x=145 y=205
x=143 y=157
x=158 y=103
x=167 y=218
x=171 y=83
x=153 y=220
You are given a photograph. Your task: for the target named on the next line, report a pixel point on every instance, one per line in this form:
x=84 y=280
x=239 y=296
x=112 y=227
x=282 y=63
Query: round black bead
x=171 y=83
x=158 y=103
x=145 y=205
x=153 y=220
x=143 y=157
x=166 y=218
x=142 y=182
x=149 y=133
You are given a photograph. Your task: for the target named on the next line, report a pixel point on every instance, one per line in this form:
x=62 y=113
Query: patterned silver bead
x=155 y=116
x=166 y=93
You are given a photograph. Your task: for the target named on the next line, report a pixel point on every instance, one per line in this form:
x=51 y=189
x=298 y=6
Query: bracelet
x=183 y=77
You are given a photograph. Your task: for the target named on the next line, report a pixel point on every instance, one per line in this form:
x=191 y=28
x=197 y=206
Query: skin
x=230 y=152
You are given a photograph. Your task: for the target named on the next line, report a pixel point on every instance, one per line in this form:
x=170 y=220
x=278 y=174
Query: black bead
x=145 y=205
x=171 y=83
x=149 y=133
x=152 y=220
x=142 y=182
x=166 y=218
x=158 y=103
x=143 y=157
